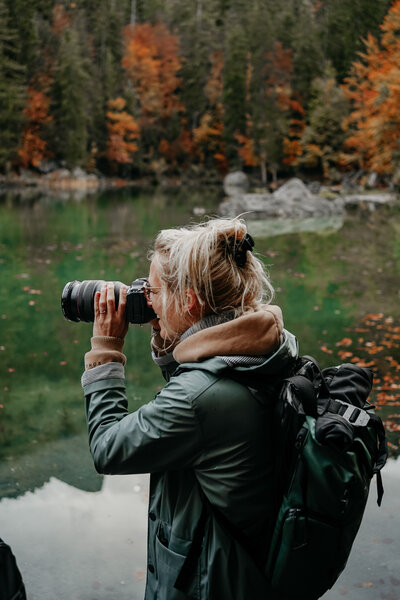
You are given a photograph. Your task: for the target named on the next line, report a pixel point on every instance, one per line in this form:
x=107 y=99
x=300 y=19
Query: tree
x=373 y=88
x=234 y=90
x=323 y=138
x=12 y=89
x=271 y=105
x=209 y=135
x=343 y=24
x=71 y=108
x=122 y=131
x=152 y=62
x=33 y=149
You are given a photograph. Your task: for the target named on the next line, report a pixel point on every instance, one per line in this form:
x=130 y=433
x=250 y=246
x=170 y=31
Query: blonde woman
x=205 y=438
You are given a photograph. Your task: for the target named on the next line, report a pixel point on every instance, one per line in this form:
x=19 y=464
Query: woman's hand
x=107 y=320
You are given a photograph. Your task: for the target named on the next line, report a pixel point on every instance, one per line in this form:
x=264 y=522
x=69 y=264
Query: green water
x=340 y=294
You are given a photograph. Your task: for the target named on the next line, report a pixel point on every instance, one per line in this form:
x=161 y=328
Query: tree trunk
x=133 y=13
x=199 y=13
x=263 y=167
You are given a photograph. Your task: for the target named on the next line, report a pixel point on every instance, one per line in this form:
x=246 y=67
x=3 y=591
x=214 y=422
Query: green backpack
x=329 y=445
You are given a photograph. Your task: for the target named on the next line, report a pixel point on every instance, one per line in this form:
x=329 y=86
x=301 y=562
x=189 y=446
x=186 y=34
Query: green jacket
x=202 y=430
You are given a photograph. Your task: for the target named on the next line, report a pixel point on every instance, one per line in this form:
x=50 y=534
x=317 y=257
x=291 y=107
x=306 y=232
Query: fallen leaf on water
x=373 y=317
x=345 y=342
x=344 y=355
x=326 y=350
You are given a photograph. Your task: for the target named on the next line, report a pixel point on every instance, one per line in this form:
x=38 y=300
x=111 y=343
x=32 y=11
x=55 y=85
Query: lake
x=80 y=536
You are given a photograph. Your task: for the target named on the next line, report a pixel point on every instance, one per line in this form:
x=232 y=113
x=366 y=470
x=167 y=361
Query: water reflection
x=76 y=545
x=274 y=227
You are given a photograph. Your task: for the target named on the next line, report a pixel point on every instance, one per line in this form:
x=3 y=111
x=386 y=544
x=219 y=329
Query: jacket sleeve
x=162 y=435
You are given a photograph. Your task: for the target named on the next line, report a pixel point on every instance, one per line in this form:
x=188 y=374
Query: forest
x=138 y=88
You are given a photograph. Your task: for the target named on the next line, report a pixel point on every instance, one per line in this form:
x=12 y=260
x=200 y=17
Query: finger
x=96 y=305
x=122 y=300
x=102 y=300
x=110 y=297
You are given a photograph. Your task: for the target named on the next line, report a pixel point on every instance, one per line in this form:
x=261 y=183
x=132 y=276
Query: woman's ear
x=193 y=305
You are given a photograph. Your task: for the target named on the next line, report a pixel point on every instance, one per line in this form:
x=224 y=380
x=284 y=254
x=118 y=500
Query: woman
x=205 y=437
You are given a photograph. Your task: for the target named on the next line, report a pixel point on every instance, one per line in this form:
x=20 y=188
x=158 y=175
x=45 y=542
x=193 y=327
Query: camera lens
x=77 y=300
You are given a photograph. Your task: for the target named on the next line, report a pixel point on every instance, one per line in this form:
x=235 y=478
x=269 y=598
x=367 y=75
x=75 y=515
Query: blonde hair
x=201 y=257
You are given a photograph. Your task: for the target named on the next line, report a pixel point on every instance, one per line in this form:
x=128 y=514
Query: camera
x=77 y=301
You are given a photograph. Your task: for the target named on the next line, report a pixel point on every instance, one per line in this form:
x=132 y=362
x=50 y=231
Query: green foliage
x=342 y=26
x=234 y=93
x=323 y=137
x=71 y=102
x=11 y=89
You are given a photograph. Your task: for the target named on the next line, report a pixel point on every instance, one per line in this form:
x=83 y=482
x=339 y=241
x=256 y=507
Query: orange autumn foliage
x=152 y=62
x=61 y=19
x=122 y=130
x=373 y=87
x=33 y=149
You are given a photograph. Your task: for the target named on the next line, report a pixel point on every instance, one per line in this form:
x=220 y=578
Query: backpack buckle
x=354 y=415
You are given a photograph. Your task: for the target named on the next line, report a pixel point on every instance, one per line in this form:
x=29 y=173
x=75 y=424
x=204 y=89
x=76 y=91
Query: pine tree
x=71 y=106
x=323 y=137
x=343 y=25
x=12 y=90
x=234 y=94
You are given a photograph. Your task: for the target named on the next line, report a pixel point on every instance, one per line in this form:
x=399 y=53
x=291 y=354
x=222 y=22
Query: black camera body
x=77 y=301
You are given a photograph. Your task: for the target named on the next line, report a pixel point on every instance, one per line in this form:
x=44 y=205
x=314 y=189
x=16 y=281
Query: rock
x=291 y=200
x=314 y=187
x=78 y=173
x=236 y=184
x=199 y=211
x=293 y=190
x=371 y=201
x=47 y=167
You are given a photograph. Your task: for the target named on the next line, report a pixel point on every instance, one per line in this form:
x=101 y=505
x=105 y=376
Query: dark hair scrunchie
x=238 y=248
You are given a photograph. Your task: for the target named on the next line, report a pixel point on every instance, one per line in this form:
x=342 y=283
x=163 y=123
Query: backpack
x=11 y=584
x=328 y=444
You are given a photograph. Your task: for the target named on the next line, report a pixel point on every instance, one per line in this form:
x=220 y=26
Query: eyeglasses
x=148 y=290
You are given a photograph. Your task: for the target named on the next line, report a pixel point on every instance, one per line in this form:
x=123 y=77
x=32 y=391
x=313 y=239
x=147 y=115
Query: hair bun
x=238 y=248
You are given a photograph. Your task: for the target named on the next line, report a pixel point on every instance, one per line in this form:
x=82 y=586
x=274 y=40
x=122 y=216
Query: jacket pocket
x=169 y=564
